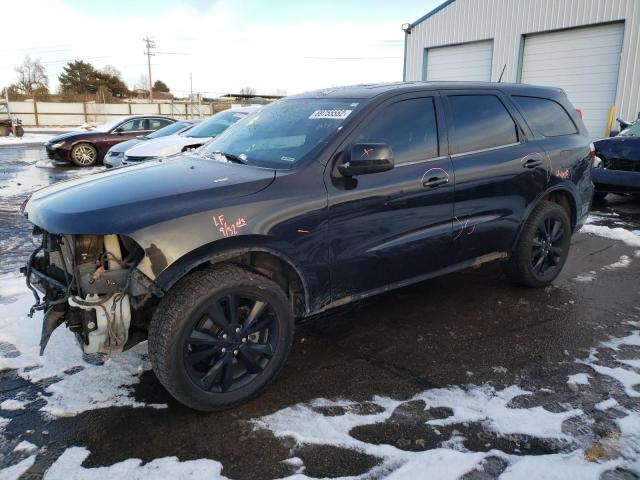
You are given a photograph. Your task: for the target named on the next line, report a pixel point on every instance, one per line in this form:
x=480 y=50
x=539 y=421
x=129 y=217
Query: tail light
x=579 y=112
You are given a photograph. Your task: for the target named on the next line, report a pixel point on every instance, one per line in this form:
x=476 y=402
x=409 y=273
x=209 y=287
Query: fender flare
x=562 y=187
x=219 y=251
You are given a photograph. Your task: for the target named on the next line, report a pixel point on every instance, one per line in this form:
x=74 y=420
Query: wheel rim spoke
x=202 y=338
x=257 y=310
x=232 y=305
x=249 y=362
x=217 y=316
x=209 y=379
x=258 y=326
x=200 y=355
x=263 y=349
x=227 y=377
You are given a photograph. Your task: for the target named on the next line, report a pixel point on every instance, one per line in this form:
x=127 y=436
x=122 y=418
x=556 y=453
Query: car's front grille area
x=135 y=159
x=622 y=164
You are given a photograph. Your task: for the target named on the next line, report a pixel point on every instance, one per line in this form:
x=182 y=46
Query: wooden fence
x=74 y=114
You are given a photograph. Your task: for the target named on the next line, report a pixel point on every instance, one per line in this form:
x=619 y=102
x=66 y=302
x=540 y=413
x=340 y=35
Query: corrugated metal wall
x=507 y=21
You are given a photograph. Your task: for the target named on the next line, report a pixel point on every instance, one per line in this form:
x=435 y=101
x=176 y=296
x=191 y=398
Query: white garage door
x=471 y=61
x=584 y=62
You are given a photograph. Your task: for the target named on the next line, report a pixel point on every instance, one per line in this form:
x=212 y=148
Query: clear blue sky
x=225 y=44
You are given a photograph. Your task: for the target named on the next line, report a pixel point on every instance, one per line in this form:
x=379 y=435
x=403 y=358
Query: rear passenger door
x=393 y=226
x=498 y=172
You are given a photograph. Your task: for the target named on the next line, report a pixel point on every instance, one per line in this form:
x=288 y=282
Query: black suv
x=313 y=202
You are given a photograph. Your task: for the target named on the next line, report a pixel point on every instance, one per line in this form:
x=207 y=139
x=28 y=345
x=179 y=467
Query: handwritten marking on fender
x=563 y=174
x=228 y=229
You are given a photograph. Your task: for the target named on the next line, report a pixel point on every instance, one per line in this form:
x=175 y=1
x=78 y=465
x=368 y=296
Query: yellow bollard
x=607 y=130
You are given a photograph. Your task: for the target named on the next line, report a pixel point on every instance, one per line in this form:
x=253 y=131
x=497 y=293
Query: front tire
x=18 y=131
x=543 y=247
x=4 y=131
x=84 y=155
x=220 y=336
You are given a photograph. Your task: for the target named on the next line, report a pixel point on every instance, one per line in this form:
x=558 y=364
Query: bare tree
x=32 y=77
x=249 y=91
x=111 y=70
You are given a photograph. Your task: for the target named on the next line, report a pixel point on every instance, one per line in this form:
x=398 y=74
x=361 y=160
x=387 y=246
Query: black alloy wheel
x=232 y=341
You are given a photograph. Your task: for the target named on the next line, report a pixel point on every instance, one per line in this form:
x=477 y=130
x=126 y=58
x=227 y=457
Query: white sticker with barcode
x=331 y=114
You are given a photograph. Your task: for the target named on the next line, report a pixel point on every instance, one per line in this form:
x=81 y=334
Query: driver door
x=390 y=227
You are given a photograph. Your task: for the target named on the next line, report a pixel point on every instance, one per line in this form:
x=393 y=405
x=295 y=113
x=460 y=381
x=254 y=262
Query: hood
x=65 y=136
x=165 y=146
x=126 y=145
x=124 y=200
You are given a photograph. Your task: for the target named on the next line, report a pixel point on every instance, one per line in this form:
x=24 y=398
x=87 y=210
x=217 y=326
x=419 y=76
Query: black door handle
x=532 y=163
x=434 y=182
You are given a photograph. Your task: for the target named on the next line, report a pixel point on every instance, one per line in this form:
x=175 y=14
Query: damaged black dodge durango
x=315 y=201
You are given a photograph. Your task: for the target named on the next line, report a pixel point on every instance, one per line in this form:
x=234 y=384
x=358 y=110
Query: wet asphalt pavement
x=468 y=327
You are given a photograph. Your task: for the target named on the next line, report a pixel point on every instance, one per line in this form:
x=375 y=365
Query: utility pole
x=150 y=44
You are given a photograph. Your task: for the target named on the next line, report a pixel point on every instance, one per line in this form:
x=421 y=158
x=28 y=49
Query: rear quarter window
x=545 y=115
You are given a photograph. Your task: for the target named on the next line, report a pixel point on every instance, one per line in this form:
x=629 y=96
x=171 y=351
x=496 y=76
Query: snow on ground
x=629 y=237
x=94 y=386
x=26 y=139
x=579 y=379
x=623 y=262
x=15 y=471
x=494 y=410
x=69 y=467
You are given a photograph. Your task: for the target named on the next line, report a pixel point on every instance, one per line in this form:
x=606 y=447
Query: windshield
x=632 y=131
x=169 y=130
x=216 y=124
x=105 y=127
x=284 y=133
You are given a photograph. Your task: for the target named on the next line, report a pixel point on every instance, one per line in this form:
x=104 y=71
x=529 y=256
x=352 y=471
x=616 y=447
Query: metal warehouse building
x=589 y=48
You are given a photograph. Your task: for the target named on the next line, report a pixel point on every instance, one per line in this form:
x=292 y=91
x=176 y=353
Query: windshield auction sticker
x=331 y=114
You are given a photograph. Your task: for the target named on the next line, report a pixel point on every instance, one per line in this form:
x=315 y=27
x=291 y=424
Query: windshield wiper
x=229 y=156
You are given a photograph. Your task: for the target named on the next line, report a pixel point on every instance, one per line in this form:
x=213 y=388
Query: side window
x=480 y=122
x=547 y=116
x=156 y=123
x=134 y=125
x=409 y=127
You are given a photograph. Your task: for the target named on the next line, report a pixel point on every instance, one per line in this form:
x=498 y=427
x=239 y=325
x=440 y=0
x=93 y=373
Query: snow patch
x=69 y=467
x=15 y=471
x=12 y=404
x=585 y=277
x=606 y=404
x=26 y=139
x=618 y=233
x=579 y=379
x=623 y=262
x=25 y=446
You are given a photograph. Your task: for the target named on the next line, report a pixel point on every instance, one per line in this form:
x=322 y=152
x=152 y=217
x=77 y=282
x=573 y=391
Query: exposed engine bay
x=91 y=283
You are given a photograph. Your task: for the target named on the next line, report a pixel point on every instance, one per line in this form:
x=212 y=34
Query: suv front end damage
x=91 y=283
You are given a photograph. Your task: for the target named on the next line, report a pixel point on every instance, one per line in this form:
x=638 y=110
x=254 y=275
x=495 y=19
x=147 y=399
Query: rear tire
x=543 y=247
x=220 y=336
x=84 y=155
x=19 y=131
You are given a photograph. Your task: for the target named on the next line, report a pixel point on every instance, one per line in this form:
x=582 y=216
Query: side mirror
x=367 y=158
x=614 y=133
x=117 y=131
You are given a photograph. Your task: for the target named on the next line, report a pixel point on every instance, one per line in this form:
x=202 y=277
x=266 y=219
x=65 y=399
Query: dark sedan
x=86 y=148
x=620 y=168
